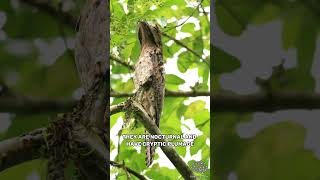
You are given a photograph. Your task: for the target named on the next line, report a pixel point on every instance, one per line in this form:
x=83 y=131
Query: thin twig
x=122 y=62
x=195 y=9
x=117 y=108
x=131 y=171
x=205 y=14
x=185 y=46
x=126 y=170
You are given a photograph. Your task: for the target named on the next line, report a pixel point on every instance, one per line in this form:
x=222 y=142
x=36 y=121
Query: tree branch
x=195 y=9
x=168 y=94
x=29 y=105
x=122 y=63
x=20 y=149
x=93 y=165
x=32 y=104
x=27 y=147
x=117 y=108
x=220 y=102
x=170 y=152
x=185 y=46
x=264 y=102
x=131 y=171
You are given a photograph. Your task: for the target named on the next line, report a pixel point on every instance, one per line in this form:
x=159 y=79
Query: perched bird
x=149 y=77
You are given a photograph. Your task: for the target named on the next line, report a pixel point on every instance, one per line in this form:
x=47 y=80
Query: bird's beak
x=142 y=25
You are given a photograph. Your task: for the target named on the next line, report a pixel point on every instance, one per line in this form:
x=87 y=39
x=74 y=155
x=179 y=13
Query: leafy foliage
x=34 y=61
x=171 y=16
x=278 y=151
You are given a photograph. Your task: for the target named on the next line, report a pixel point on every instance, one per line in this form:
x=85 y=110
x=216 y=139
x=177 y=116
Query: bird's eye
x=156 y=29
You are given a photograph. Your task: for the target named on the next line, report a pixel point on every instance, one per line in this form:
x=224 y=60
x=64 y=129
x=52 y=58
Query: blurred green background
x=36 y=60
x=250 y=39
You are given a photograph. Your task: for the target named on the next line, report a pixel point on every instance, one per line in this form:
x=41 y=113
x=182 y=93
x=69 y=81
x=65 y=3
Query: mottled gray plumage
x=149 y=76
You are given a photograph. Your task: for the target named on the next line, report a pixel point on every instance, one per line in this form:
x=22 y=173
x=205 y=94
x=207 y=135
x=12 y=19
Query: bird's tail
x=150 y=151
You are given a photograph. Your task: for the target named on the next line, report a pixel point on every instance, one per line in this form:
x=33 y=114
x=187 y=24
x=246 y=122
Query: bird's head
x=149 y=34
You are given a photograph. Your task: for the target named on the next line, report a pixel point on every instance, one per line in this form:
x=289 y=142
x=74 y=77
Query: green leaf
x=205 y=152
x=181 y=150
x=25 y=169
x=114 y=118
x=203 y=71
x=188 y=28
x=126 y=52
x=173 y=79
x=205 y=128
x=198 y=44
x=223 y=62
x=197 y=111
x=185 y=61
x=162 y=173
x=181 y=110
x=131 y=3
x=231 y=147
x=292 y=23
x=279 y=148
x=112 y=146
x=307 y=43
x=135 y=52
x=169 y=116
x=234 y=16
x=298 y=80
x=229 y=22
x=199 y=143
x=119 y=69
x=267 y=13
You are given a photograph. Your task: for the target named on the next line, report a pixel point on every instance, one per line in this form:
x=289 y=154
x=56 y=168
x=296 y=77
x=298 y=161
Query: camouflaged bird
x=149 y=76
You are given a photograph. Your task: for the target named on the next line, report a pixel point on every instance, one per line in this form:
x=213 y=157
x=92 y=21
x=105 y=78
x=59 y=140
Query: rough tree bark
x=92 y=56
x=20 y=149
x=84 y=126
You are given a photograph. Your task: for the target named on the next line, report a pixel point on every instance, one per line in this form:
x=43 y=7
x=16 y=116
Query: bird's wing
x=143 y=70
x=158 y=88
